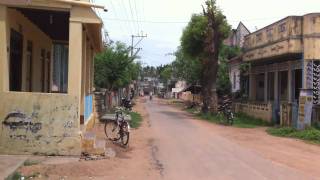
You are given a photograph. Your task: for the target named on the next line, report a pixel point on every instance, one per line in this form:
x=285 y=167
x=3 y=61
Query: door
x=15 y=75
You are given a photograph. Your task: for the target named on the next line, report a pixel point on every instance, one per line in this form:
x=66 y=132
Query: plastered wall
x=33 y=123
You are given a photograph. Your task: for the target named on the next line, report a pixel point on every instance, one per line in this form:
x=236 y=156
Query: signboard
x=305 y=108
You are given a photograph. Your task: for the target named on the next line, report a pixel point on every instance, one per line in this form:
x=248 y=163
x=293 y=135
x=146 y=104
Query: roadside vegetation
x=241 y=120
x=310 y=135
x=136 y=120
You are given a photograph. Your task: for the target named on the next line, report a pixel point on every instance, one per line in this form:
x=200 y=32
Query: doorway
x=15 y=75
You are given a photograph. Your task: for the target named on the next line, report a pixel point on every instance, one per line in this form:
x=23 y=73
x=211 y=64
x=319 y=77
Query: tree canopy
x=114 y=68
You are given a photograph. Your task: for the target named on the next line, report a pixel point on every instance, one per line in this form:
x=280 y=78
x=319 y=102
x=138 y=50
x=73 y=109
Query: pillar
x=4 y=58
x=265 y=86
x=290 y=91
x=276 y=86
x=252 y=87
x=75 y=59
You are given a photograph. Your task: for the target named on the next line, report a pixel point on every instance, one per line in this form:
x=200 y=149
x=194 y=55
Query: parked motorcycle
x=225 y=108
x=126 y=103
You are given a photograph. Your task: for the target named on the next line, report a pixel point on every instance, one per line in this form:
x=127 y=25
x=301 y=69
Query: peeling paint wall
x=34 y=123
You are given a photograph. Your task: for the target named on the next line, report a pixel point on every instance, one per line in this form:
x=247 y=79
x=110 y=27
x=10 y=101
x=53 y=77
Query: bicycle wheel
x=125 y=138
x=112 y=130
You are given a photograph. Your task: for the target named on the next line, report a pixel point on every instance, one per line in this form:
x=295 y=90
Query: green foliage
x=244 y=121
x=14 y=176
x=114 y=68
x=30 y=162
x=310 y=134
x=136 y=120
x=186 y=68
x=165 y=73
x=194 y=35
x=223 y=80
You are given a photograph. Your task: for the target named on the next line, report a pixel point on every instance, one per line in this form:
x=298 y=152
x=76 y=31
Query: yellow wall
x=40 y=41
x=53 y=127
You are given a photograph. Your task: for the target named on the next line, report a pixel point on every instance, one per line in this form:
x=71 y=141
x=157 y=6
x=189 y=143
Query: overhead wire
x=126 y=14
x=132 y=16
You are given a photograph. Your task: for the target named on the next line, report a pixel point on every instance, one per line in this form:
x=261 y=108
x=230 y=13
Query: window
x=282 y=27
x=269 y=33
x=259 y=37
x=60 y=68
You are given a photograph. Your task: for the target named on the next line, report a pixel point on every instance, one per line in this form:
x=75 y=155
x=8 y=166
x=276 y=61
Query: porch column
x=75 y=59
x=265 y=86
x=276 y=88
x=4 y=63
x=290 y=82
x=252 y=87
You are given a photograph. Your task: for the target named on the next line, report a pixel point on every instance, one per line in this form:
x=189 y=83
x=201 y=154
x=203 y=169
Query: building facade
x=284 y=71
x=46 y=82
x=236 y=37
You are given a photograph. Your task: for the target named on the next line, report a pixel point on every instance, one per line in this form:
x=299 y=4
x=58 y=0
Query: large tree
x=202 y=39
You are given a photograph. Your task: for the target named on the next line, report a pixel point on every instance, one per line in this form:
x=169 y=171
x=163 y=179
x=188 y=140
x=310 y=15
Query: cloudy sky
x=163 y=20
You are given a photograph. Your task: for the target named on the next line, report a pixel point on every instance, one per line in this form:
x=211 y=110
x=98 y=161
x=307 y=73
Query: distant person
x=150 y=96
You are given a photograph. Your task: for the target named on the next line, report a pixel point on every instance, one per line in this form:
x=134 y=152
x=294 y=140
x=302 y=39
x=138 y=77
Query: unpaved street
x=185 y=148
x=172 y=145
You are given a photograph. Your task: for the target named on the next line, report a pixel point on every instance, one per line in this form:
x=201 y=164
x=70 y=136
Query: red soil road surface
x=172 y=145
x=185 y=148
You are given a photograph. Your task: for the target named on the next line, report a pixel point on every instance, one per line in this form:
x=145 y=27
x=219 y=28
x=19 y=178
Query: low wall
x=36 y=123
x=257 y=110
x=188 y=96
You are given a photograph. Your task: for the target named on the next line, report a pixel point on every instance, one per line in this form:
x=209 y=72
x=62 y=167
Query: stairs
x=90 y=144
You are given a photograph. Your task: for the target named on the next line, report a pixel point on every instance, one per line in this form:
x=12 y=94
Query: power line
x=126 y=14
x=135 y=22
x=116 y=15
x=184 y=22
x=135 y=6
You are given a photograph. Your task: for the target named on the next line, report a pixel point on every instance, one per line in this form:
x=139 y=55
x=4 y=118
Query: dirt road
x=185 y=148
x=172 y=145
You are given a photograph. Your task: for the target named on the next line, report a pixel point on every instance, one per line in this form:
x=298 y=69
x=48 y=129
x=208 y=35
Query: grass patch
x=311 y=134
x=244 y=121
x=241 y=120
x=136 y=119
x=30 y=162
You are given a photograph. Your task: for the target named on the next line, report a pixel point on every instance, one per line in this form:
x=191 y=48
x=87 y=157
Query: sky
x=163 y=21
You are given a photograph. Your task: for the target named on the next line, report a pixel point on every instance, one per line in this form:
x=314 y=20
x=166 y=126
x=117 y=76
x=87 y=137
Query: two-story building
x=236 y=39
x=46 y=74
x=284 y=71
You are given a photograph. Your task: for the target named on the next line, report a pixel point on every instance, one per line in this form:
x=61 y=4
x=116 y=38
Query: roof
x=241 y=24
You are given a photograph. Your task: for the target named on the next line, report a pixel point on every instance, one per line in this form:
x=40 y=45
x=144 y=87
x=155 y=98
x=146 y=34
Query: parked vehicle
x=225 y=108
x=126 y=103
x=119 y=128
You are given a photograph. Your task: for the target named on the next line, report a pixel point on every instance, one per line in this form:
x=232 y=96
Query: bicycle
x=118 y=129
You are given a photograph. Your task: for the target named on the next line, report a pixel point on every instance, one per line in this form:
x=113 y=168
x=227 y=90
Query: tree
x=186 y=68
x=114 y=68
x=202 y=40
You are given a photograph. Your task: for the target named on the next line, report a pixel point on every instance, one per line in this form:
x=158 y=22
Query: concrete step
x=88 y=141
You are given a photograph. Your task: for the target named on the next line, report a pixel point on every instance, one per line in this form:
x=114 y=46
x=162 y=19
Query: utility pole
x=133 y=46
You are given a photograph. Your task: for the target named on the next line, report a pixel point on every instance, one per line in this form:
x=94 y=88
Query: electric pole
x=133 y=46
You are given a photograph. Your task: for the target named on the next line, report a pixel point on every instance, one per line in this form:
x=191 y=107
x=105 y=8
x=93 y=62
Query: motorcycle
x=126 y=103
